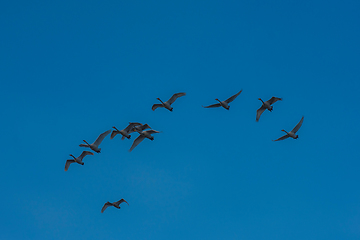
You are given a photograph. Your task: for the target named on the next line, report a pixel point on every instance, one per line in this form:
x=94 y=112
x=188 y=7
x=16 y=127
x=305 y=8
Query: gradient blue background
x=71 y=70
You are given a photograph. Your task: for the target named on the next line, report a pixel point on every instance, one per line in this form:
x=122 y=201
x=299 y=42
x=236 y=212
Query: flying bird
x=95 y=145
x=266 y=105
x=292 y=133
x=125 y=132
x=142 y=136
x=114 y=204
x=224 y=104
x=168 y=103
x=77 y=160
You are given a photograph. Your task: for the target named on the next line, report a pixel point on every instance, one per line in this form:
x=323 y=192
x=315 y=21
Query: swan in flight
x=125 y=132
x=224 y=104
x=168 y=103
x=292 y=133
x=114 y=204
x=266 y=105
x=142 y=136
x=77 y=160
x=95 y=145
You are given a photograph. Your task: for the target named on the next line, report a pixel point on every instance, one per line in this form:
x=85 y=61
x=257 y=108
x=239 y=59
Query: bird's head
x=72 y=156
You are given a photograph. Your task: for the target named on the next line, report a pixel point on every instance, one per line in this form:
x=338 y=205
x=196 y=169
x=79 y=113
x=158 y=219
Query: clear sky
x=71 y=70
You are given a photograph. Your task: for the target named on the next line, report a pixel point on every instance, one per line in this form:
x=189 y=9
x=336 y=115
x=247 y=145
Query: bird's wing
x=145 y=126
x=175 y=96
x=84 y=153
x=156 y=105
x=136 y=142
x=282 y=138
x=67 y=164
x=114 y=133
x=121 y=201
x=297 y=127
x=83 y=145
x=273 y=100
x=232 y=98
x=105 y=206
x=131 y=126
x=152 y=131
x=101 y=138
x=259 y=112
x=213 y=106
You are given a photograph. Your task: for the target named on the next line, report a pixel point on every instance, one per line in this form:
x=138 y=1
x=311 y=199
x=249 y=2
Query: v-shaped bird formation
x=136 y=127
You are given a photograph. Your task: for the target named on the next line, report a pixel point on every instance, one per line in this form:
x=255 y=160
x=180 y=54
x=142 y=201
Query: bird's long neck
x=285 y=131
x=86 y=143
x=218 y=100
x=73 y=156
x=116 y=129
x=261 y=100
x=160 y=100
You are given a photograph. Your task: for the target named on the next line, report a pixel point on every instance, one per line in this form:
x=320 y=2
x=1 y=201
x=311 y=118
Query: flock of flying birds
x=143 y=133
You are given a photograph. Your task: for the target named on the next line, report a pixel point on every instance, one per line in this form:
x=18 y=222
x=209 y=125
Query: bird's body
x=292 y=133
x=114 y=204
x=224 y=104
x=95 y=145
x=142 y=136
x=266 y=105
x=168 y=103
x=77 y=160
x=124 y=132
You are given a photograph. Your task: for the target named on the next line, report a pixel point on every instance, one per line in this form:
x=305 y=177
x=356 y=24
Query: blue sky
x=72 y=70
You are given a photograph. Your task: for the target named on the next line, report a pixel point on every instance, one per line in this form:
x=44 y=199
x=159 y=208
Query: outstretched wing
x=273 y=100
x=259 y=112
x=156 y=105
x=232 y=98
x=281 y=138
x=131 y=126
x=136 y=142
x=121 y=201
x=297 y=127
x=143 y=127
x=140 y=128
x=175 y=96
x=213 y=106
x=101 y=138
x=67 y=164
x=106 y=205
x=114 y=133
x=84 y=153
